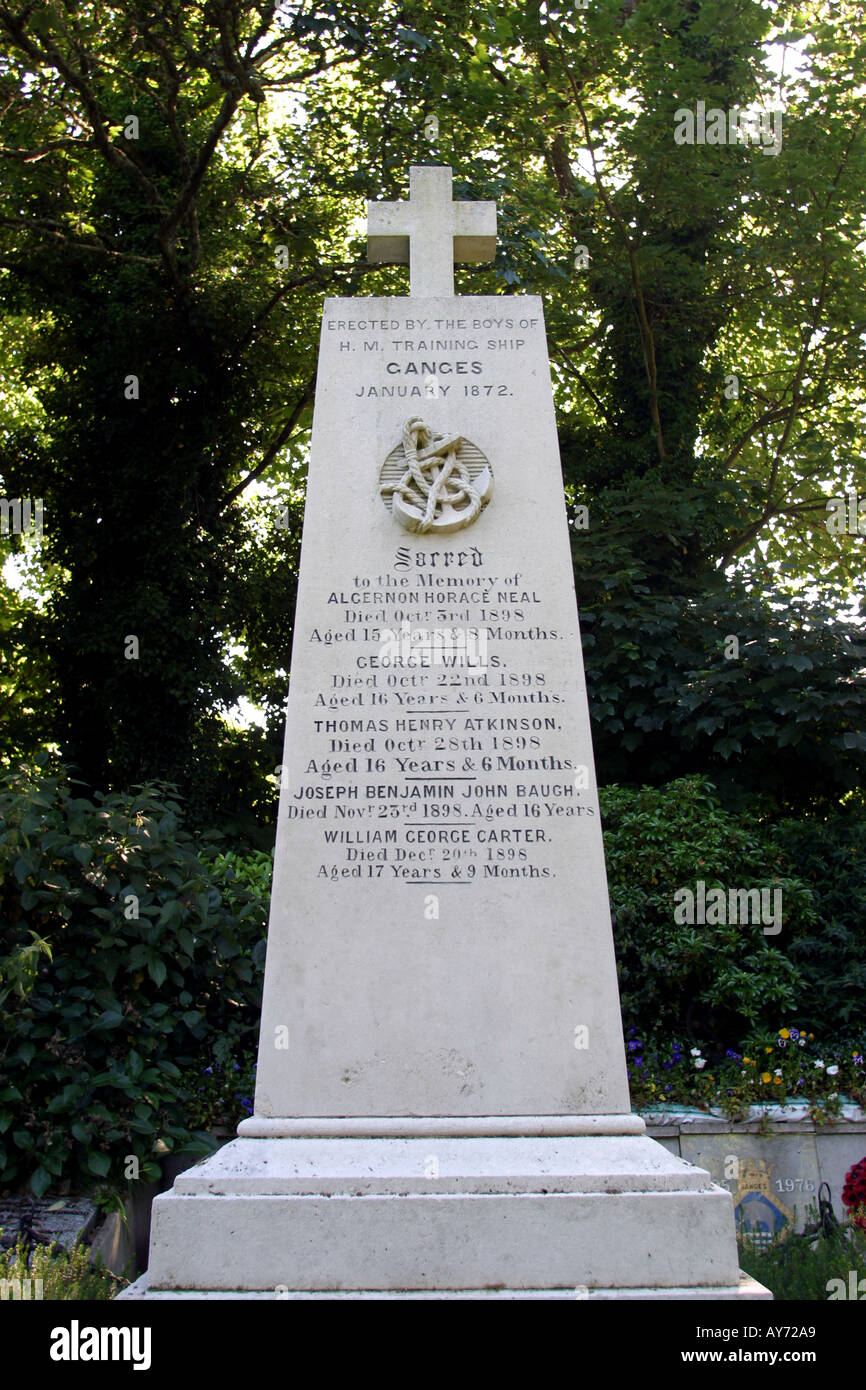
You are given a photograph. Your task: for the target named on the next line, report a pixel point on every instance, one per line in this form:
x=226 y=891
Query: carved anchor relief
x=437 y=483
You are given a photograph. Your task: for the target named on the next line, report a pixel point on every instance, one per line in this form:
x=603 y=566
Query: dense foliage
x=131 y=961
x=126 y=962
x=182 y=186
x=723 y=978
x=801 y=1270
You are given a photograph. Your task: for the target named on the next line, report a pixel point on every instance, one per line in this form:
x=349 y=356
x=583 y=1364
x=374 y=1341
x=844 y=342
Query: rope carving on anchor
x=434 y=481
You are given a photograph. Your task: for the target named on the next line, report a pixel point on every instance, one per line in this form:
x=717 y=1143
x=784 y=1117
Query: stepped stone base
x=747 y=1288
x=438 y=1216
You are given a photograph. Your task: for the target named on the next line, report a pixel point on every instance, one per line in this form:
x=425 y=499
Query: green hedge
x=131 y=966
x=127 y=963
x=719 y=984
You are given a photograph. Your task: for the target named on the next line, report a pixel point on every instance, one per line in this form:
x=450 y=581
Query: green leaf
x=40 y=1181
x=110 y=1018
x=156 y=970
x=99 y=1163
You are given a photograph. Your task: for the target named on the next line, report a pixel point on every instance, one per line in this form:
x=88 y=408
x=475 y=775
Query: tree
x=183 y=186
x=136 y=221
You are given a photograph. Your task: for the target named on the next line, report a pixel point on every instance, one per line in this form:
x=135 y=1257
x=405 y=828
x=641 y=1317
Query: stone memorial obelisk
x=442 y=1107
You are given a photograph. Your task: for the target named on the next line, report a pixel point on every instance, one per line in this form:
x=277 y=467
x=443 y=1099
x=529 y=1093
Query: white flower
x=832 y=1071
x=819 y=1063
x=700 y=1062
x=802 y=1042
x=696 y=1052
x=778 y=1071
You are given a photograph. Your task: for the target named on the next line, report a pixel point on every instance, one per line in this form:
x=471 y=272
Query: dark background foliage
x=182 y=186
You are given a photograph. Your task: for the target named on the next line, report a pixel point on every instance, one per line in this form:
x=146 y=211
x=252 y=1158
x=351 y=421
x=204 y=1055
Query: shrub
x=792 y=1267
x=702 y=981
x=124 y=960
x=830 y=954
x=57 y=1274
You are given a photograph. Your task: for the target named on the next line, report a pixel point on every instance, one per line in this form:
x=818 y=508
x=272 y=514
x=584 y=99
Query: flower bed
x=790 y=1066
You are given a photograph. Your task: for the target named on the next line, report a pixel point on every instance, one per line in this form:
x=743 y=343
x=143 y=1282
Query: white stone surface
x=611 y=1213
x=388 y=1012
x=430 y=232
x=746 y=1288
x=277 y=1167
x=436 y=1126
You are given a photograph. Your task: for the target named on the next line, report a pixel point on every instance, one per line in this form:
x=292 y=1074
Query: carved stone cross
x=431 y=232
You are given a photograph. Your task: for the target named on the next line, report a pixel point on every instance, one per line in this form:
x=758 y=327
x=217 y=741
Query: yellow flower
x=777 y=1080
x=748 y=1061
x=768 y=1049
x=783 y=1033
x=766 y=1078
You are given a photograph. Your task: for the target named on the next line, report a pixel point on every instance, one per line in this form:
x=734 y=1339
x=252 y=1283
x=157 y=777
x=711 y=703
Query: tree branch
x=274 y=447
x=645 y=334
x=45 y=226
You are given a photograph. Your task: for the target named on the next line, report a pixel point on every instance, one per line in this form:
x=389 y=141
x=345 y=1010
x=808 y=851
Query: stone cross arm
x=431 y=231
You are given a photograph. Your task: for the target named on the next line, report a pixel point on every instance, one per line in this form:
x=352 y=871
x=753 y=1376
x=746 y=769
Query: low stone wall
x=773 y=1162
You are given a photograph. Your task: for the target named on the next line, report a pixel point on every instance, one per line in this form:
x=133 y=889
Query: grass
x=794 y=1268
x=55 y=1274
